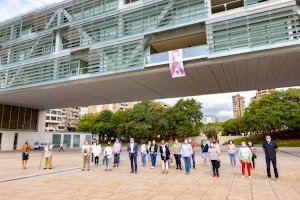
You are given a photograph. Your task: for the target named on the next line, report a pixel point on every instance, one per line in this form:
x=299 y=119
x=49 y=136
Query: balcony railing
x=190 y=53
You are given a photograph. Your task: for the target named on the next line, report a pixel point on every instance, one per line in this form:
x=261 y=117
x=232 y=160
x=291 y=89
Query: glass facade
x=76 y=140
x=74 y=40
x=18 y=118
x=67 y=140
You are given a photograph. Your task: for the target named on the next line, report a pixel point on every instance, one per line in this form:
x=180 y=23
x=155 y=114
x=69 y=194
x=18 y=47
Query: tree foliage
x=275 y=112
x=146 y=120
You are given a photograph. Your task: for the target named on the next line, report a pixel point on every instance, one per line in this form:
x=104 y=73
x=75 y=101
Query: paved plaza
x=67 y=181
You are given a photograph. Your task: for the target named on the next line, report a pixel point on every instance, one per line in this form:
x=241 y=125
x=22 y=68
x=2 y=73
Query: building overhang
x=272 y=68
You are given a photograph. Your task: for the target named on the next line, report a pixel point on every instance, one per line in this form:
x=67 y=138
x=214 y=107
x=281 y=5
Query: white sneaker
x=152 y=167
x=243 y=176
x=249 y=177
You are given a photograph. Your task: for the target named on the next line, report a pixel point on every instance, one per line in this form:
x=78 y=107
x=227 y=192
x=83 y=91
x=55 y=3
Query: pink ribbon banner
x=176 y=63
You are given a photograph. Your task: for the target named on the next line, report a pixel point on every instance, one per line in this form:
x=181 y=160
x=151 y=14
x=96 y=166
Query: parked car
x=39 y=145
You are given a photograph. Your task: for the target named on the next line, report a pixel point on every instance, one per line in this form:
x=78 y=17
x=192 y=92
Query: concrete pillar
x=41 y=124
x=72 y=140
x=58 y=41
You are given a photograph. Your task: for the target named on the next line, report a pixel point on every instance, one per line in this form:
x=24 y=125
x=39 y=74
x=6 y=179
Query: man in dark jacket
x=165 y=156
x=271 y=150
x=132 y=149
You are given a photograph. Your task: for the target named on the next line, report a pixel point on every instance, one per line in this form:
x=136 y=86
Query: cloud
x=13 y=8
x=219 y=105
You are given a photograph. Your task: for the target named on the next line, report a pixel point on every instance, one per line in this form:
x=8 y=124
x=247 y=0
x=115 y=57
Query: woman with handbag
x=165 y=156
x=245 y=157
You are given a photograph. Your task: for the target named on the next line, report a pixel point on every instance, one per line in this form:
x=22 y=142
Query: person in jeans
x=143 y=153
x=271 y=150
x=92 y=154
x=132 y=149
x=213 y=155
x=245 y=156
x=186 y=153
x=86 y=152
x=108 y=152
x=193 y=155
x=96 y=151
x=117 y=151
x=165 y=156
x=25 y=153
x=253 y=151
x=204 y=151
x=231 y=149
x=48 y=156
x=148 y=151
x=153 y=153
x=177 y=154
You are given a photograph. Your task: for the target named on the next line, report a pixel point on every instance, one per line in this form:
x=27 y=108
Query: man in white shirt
x=86 y=152
x=48 y=155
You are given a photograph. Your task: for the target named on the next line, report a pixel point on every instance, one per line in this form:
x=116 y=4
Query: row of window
x=13 y=117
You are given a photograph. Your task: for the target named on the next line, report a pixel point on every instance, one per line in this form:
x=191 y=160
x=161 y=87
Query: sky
x=219 y=105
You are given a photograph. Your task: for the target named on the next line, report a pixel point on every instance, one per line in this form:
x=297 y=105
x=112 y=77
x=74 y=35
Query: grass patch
x=259 y=139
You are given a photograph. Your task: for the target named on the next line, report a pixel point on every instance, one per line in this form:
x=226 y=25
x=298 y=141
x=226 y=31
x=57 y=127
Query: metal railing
x=195 y=52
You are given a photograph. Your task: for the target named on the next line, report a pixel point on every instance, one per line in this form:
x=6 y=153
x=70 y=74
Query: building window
x=130 y=1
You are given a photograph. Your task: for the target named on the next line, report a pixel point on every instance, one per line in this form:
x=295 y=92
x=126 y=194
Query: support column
x=41 y=123
x=58 y=41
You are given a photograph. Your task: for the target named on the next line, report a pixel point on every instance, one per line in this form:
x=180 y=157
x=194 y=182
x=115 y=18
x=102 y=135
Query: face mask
x=131 y=141
x=243 y=145
x=268 y=140
x=186 y=141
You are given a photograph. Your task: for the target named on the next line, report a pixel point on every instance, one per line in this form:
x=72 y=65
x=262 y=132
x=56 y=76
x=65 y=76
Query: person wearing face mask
x=253 y=151
x=132 y=149
x=231 y=149
x=213 y=155
x=117 y=151
x=165 y=156
x=177 y=155
x=245 y=156
x=186 y=153
x=153 y=153
x=193 y=154
x=271 y=150
x=96 y=150
x=25 y=153
x=148 y=151
x=204 y=151
x=108 y=152
x=86 y=152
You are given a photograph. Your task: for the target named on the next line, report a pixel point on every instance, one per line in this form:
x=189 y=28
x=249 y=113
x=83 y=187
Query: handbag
x=218 y=163
x=254 y=156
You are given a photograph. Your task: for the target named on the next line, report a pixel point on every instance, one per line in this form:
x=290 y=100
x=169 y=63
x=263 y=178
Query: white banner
x=176 y=63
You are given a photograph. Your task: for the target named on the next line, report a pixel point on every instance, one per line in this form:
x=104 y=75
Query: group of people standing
x=186 y=151
x=91 y=153
x=247 y=155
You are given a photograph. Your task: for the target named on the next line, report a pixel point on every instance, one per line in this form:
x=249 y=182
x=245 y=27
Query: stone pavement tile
x=284 y=191
x=240 y=189
x=295 y=185
x=262 y=190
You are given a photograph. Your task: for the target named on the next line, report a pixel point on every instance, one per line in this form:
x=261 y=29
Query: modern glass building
x=85 y=52
x=90 y=38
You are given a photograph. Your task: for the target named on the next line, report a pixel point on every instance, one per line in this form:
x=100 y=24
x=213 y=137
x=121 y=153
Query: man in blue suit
x=132 y=149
